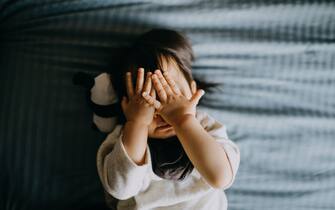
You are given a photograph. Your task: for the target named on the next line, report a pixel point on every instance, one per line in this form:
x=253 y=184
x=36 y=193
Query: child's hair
x=169 y=159
x=147 y=51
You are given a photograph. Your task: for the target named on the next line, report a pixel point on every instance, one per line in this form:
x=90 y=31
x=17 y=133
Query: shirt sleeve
x=120 y=175
x=218 y=131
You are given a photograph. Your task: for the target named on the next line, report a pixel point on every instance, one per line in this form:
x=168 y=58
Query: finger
x=159 y=88
x=140 y=80
x=129 y=85
x=153 y=92
x=172 y=83
x=124 y=103
x=151 y=101
x=147 y=84
x=193 y=87
x=164 y=83
x=196 y=97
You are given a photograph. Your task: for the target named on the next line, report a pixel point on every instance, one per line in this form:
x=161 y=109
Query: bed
x=274 y=59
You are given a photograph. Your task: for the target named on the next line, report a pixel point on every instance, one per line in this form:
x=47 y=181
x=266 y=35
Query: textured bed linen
x=274 y=59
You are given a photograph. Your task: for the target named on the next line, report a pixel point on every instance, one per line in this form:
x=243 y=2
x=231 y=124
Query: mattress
x=275 y=61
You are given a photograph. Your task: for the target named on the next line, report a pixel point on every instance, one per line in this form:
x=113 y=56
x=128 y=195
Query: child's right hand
x=173 y=106
x=135 y=108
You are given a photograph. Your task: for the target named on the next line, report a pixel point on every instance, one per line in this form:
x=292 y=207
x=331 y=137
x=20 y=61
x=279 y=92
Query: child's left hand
x=173 y=105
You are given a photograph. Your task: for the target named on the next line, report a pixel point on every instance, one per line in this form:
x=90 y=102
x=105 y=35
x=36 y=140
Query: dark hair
x=147 y=52
x=169 y=159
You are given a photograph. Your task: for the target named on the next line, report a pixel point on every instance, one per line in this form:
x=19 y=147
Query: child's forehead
x=171 y=66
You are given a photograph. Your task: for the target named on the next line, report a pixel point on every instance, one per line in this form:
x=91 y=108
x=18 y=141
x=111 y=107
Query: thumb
x=196 y=97
x=124 y=103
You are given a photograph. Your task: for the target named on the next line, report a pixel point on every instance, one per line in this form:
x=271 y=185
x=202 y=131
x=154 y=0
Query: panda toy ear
x=101 y=98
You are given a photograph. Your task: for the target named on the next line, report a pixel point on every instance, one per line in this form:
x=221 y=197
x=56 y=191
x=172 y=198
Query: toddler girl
x=165 y=153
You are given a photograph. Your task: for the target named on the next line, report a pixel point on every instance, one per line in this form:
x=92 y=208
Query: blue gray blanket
x=274 y=59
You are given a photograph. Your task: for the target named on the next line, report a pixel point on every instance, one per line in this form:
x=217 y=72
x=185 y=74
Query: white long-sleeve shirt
x=137 y=187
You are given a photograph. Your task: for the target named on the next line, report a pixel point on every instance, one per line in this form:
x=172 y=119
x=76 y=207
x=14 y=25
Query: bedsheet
x=275 y=61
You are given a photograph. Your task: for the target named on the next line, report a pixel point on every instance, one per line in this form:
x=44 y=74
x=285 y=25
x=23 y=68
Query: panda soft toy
x=101 y=98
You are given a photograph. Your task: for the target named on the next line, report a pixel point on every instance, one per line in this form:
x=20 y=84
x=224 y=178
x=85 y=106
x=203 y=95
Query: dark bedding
x=274 y=59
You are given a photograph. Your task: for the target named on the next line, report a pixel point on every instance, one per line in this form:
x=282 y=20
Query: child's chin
x=162 y=134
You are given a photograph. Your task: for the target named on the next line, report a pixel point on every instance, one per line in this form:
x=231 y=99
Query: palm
x=172 y=105
x=135 y=107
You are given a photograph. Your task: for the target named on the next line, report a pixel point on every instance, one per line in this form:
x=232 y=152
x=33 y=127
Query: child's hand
x=173 y=105
x=135 y=107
